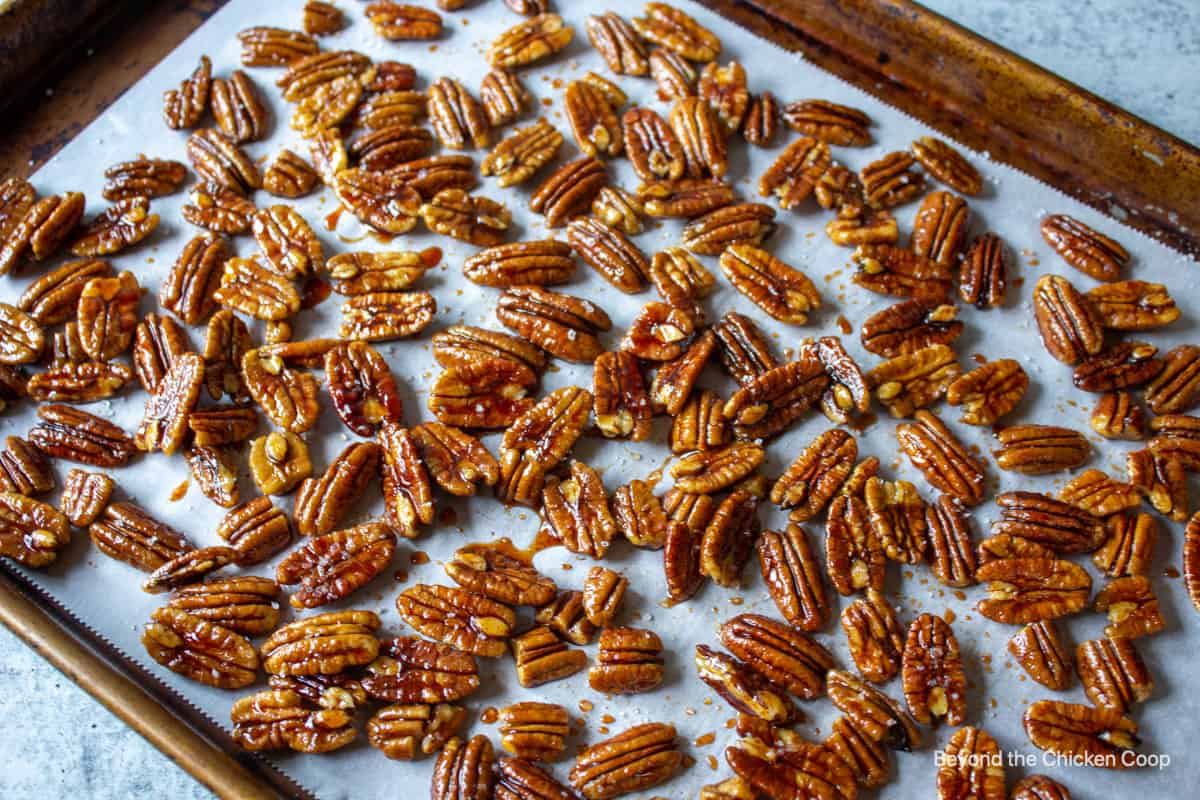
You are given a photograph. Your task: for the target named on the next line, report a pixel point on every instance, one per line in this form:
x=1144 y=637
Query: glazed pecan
x=79 y=381
x=909 y=326
x=256 y=530
x=932 y=673
x=274 y=47
x=874 y=637
x=1006 y=545
x=183 y=107
x=127 y=533
x=189 y=287
x=275 y=720
x=621 y=405
x=541 y=657
x=406 y=732
x=709 y=471
x=532 y=40
x=635 y=759
x=366 y=272
x=503 y=97
x=761 y=120
x=1098 y=494
x=1023 y=590
x=678 y=32
x=1038 y=649
x=120 y=226
x=458 y=118
x=812 y=480
x=915 y=380
x=1176 y=436
x=245 y=604
x=618 y=43
x=219 y=159
x=189 y=567
x=1040 y=449
x=362 y=387
x=1069 y=730
x=576 y=511
x=609 y=252
x=700 y=424
x=744 y=349
x=487 y=393
x=534 y=731
x=31 y=532
x=674 y=75
x=658 y=332
x=1113 y=673
x=1191 y=560
x=947 y=165
x=897 y=514
x=854 y=555
x=792 y=575
x=143 y=177
x=341 y=691
x=791 y=767
x=1124 y=365
x=322 y=502
x=499 y=571
x=254 y=290
x=891 y=180
x=772 y=401
x=674 y=380
x=873 y=712
x=563 y=325
x=157 y=343
x=324 y=644
x=219 y=209
x=304 y=75
x=279 y=461
x=949 y=531
x=940 y=228
x=786 y=657
x=1176 y=388
x=1054 y=523
x=399 y=22
x=865 y=757
x=701 y=138
x=538 y=441
x=983 y=280
x=680 y=279
x=728 y=542
x=1070 y=328
x=391 y=107
x=383 y=200
x=890 y=270
x=54 y=297
x=384 y=316
x=567 y=618
x=200 y=650
x=1085 y=249
x=1131 y=606
x=85 y=495
x=471 y=622
x=972 y=767
x=42 y=229
x=782 y=291
x=1039 y=787
x=618 y=209
x=321 y=18
x=1162 y=480
x=413 y=670
x=238 y=109
x=456 y=461
x=75 y=435
x=686 y=198
x=569 y=191
x=747 y=691
x=523 y=152
x=681 y=557
x=381 y=149
x=517 y=778
x=287 y=396
x=1133 y=305
x=829 y=122
x=164 y=423
x=989 y=391
x=640 y=515
x=477 y=220
x=592 y=113
x=794 y=174
x=287 y=242
x=332 y=566
x=215 y=470
x=464 y=770
x=724 y=89
x=107 y=318
x=946 y=463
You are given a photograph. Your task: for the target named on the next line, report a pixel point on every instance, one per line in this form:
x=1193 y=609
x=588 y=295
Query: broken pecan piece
x=187 y=568
x=405 y=732
x=278 y=462
x=541 y=657
x=747 y=691
x=538 y=440
x=164 y=423
x=1131 y=606
x=640 y=515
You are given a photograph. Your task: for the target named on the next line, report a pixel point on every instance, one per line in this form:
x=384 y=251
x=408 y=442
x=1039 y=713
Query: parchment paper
x=106 y=594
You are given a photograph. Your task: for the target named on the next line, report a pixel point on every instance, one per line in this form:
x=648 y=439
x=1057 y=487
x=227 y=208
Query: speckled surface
x=57 y=742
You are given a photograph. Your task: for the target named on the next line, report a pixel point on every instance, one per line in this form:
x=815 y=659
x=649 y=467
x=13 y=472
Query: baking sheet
x=106 y=595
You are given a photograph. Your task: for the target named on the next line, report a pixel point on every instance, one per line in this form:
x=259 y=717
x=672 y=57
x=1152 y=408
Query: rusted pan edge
x=996 y=102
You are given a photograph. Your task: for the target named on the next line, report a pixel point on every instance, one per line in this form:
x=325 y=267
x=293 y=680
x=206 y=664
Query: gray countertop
x=1146 y=57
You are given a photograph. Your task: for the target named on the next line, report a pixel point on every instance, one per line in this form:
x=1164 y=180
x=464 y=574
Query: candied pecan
x=127 y=533
x=275 y=720
x=215 y=470
x=332 y=566
x=1162 y=480
x=747 y=691
x=188 y=288
x=912 y=381
x=471 y=622
x=724 y=89
x=709 y=471
x=1037 y=648
x=854 y=555
x=949 y=532
x=815 y=476
x=728 y=541
x=287 y=396
x=1054 y=523
x=847 y=391
x=891 y=180
x=538 y=440
x=563 y=325
x=1176 y=388
x=890 y=270
x=1124 y=365
x=381 y=149
x=794 y=174
x=566 y=617
x=322 y=18
x=463 y=770
x=681 y=560
x=786 y=657
x=226 y=342
x=680 y=279
x=143 y=177
x=455 y=460
x=534 y=731
x=932 y=448
x=85 y=495
x=1070 y=329
x=22 y=338
x=983 y=280
x=458 y=118
x=107 y=318
x=499 y=571
x=874 y=637
x=673 y=74
x=876 y=227
x=791 y=768
x=576 y=511
x=1007 y=545
x=1022 y=590
x=602 y=594
x=947 y=165
x=1133 y=305
x=287 y=242
x=678 y=32
x=792 y=575
x=761 y=120
x=157 y=343
x=383 y=316
x=744 y=349
x=79 y=382
x=988 y=392
x=254 y=290
x=865 y=757
x=593 y=117
x=1131 y=606
x=1040 y=449
x=829 y=122
x=383 y=200
x=772 y=401
x=164 y=422
x=42 y=230
x=391 y=107
x=1175 y=436
x=657 y=333
x=523 y=152
x=200 y=650
x=569 y=191
x=120 y=226
x=219 y=159
x=530 y=41
x=187 y=568
x=618 y=43
x=940 y=228
x=256 y=530
x=700 y=425
x=75 y=435
x=31 y=532
x=635 y=759
x=782 y=291
x=609 y=252
x=897 y=514
x=324 y=644
x=238 y=109
x=1039 y=787
x=674 y=380
x=503 y=97
x=873 y=712
x=304 y=75
x=542 y=658
x=640 y=515
x=932 y=674
x=1088 y=250
x=405 y=732
x=618 y=209
x=245 y=604
x=1191 y=560
x=265 y=46
x=414 y=670
x=621 y=405
x=1069 y=730
x=701 y=138
x=219 y=209
x=12 y=385
x=909 y=326
x=322 y=502
x=362 y=387
x=183 y=107
x=517 y=778
x=54 y=297
x=1113 y=673
x=686 y=198
x=398 y=22
x=973 y=767
x=1096 y=493
x=366 y=272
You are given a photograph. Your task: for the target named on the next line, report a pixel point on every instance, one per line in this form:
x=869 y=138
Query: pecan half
x=188 y=289
x=891 y=180
x=640 y=515
x=563 y=325
x=42 y=230
x=362 y=387
x=79 y=382
x=304 y=75
x=530 y=41
x=256 y=530
x=786 y=657
x=1131 y=606
x=1175 y=436
x=238 y=108
x=747 y=691
x=686 y=198
x=701 y=138
x=334 y=565
x=278 y=462
x=681 y=560
x=610 y=253
x=127 y=533
x=932 y=448
x=989 y=391
x=120 y=226
x=1122 y=366
x=621 y=405
x=399 y=22
x=31 y=532
x=709 y=471
x=932 y=673
x=245 y=605
x=456 y=461
x=276 y=720
x=566 y=617
x=854 y=555
x=367 y=272
x=618 y=209
x=219 y=209
x=1161 y=480
x=219 y=159
x=576 y=511
x=405 y=732
x=865 y=757
x=675 y=30
x=912 y=381
x=384 y=316
x=85 y=495
x=745 y=352
x=503 y=97
x=909 y=326
x=1070 y=328
x=829 y=122
x=890 y=270
x=1133 y=305
x=1191 y=560
x=538 y=440
x=782 y=291
x=940 y=228
x=873 y=712
x=215 y=470
x=157 y=343
x=189 y=567
x=700 y=424
x=569 y=191
x=1038 y=649
x=973 y=767
x=657 y=333
x=287 y=396
x=897 y=513
x=1023 y=590
x=811 y=481
x=635 y=759
x=1054 y=523
x=724 y=89
x=107 y=319
x=772 y=401
x=1068 y=730
x=1113 y=673
x=1098 y=494
x=164 y=423
x=54 y=297
x=183 y=107
x=322 y=502
x=674 y=380
x=593 y=116
x=381 y=149
x=652 y=146
x=983 y=280
x=287 y=242
x=618 y=43
x=680 y=279
x=200 y=650
x=414 y=670
x=517 y=778
x=75 y=435
x=499 y=571
x=953 y=554
x=796 y=768
x=1176 y=388
x=1088 y=250
x=274 y=47
x=795 y=173
x=523 y=152
x=257 y=291
x=534 y=731
x=874 y=638
x=729 y=537
x=383 y=200
x=480 y=221
x=1040 y=449
x=793 y=578
x=947 y=165
x=541 y=657
x=324 y=644
x=471 y=622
